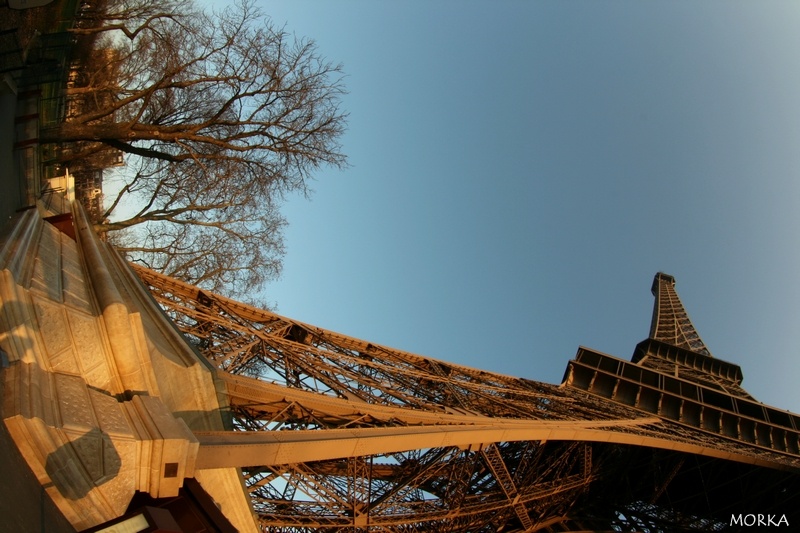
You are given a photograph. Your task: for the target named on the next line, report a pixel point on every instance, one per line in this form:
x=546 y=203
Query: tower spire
x=671 y=323
x=672 y=332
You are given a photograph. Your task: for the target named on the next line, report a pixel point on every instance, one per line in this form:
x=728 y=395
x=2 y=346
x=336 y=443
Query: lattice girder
x=313 y=382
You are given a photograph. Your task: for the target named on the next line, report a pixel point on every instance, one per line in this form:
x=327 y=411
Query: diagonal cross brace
x=494 y=459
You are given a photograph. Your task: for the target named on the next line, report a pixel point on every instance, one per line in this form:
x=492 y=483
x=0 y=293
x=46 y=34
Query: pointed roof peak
x=671 y=323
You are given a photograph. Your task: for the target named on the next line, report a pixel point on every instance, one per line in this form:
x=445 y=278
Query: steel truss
x=283 y=375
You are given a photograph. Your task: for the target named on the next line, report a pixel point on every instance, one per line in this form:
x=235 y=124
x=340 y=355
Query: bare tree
x=128 y=17
x=220 y=114
x=218 y=231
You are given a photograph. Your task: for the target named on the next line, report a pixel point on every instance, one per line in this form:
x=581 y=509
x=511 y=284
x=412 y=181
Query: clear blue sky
x=521 y=170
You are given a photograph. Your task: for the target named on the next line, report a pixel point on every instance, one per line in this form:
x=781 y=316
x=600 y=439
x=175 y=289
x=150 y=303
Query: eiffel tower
x=333 y=433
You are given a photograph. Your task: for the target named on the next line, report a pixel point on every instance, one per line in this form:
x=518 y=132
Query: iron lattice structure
x=666 y=442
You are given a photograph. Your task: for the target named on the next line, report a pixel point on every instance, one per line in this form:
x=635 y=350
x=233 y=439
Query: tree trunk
x=118 y=136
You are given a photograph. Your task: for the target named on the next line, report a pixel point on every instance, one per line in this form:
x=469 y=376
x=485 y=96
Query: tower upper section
x=670 y=322
x=675 y=348
x=673 y=376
